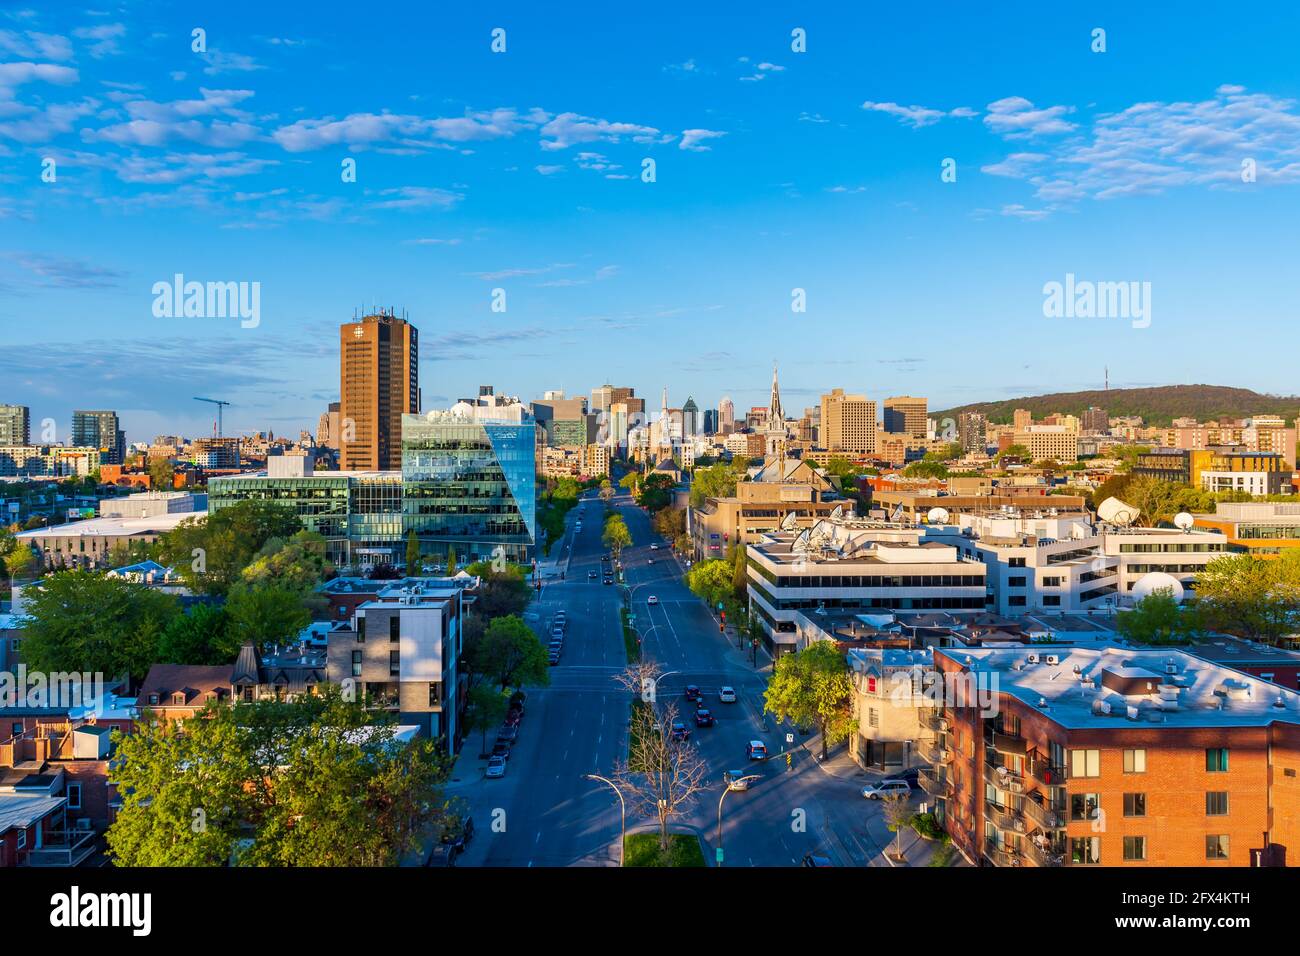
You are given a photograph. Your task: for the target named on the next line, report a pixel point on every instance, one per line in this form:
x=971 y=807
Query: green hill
x=1156 y=406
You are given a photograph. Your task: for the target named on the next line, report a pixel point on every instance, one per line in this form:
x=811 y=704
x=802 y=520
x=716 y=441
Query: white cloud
x=570 y=129
x=105 y=36
x=916 y=116
x=36 y=46
x=693 y=138
x=549 y=170
x=1016 y=118
x=417 y=197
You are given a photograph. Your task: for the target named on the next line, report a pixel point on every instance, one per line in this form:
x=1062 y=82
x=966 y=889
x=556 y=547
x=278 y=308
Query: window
x=1085 y=763
x=1135 y=848
x=873 y=717
x=1216 y=846
x=361 y=629
x=435 y=694
x=1016 y=600
x=17 y=727
x=22 y=838
x=1084 y=806
x=74 y=796
x=1016 y=582
x=394 y=663
x=1216 y=760
x=1086 y=850
x=1135 y=761
x=1016 y=563
x=356 y=663
x=395 y=628
x=1216 y=803
x=1135 y=804
x=1051 y=600
x=1052 y=581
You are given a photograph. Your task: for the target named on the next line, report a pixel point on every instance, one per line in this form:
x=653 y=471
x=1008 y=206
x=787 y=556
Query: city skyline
x=776 y=171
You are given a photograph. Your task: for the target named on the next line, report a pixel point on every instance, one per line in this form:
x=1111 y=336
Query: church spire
x=775 y=416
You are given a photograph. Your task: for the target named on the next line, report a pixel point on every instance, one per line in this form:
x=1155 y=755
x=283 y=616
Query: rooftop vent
x=1279 y=703
x=1053 y=659
x=1101 y=708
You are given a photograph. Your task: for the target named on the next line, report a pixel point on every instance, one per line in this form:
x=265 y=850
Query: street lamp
x=726 y=789
x=622 y=846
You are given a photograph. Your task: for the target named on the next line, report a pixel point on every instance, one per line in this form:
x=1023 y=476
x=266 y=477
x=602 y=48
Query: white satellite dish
x=937 y=516
x=1158 y=581
x=1184 y=521
x=1114 y=511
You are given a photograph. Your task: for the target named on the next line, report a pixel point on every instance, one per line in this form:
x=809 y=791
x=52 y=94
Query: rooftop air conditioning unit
x=1053 y=659
x=1031 y=658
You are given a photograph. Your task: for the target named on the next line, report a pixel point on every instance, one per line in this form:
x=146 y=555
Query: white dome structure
x=1158 y=581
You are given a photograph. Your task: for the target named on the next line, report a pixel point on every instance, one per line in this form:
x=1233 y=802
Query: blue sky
x=775 y=170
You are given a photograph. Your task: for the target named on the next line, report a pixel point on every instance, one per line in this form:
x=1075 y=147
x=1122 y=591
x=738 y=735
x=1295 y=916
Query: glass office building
x=469 y=482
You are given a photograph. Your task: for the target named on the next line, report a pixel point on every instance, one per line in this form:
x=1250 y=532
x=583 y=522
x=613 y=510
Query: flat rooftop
x=112 y=526
x=1074 y=691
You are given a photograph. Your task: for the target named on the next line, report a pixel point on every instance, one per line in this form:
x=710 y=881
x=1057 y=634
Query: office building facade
x=102 y=430
x=379 y=383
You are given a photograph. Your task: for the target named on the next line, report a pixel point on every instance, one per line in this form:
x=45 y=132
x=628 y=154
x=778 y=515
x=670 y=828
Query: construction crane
x=217 y=402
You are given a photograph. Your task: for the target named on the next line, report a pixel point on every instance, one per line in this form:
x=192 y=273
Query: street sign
x=718 y=854
x=789 y=738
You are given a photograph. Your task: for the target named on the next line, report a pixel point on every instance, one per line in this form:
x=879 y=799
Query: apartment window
x=435 y=694
x=1216 y=846
x=16 y=728
x=1135 y=848
x=356 y=663
x=1135 y=761
x=1052 y=581
x=1084 y=806
x=1085 y=763
x=394 y=663
x=74 y=796
x=1216 y=803
x=395 y=628
x=1016 y=582
x=1016 y=600
x=361 y=629
x=1135 y=804
x=1085 y=850
x=1016 y=563
x=873 y=717
x=1051 y=600
x=22 y=838
x=1216 y=760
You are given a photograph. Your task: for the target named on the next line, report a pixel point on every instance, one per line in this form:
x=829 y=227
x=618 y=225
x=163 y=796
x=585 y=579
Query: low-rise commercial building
x=1262 y=528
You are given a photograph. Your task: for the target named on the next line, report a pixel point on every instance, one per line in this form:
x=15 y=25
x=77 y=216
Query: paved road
x=546 y=813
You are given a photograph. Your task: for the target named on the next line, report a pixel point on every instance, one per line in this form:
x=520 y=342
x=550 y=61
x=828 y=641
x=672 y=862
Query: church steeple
x=775 y=416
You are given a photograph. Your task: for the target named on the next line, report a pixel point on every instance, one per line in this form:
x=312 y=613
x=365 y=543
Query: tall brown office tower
x=379 y=358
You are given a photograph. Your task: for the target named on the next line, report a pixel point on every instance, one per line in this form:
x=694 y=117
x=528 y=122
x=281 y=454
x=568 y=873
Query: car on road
x=442 y=854
x=727 y=695
x=508 y=733
x=652 y=600
x=693 y=692
x=648 y=561
x=592 y=574
x=816 y=859
x=680 y=732
x=654 y=547
x=609 y=580
x=756 y=750
x=703 y=718
x=886 y=788
x=496 y=767
x=738 y=779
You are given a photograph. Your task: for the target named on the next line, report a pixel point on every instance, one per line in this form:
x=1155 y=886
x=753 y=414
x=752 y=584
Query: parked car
x=703 y=718
x=816 y=859
x=501 y=749
x=693 y=692
x=654 y=547
x=911 y=776
x=738 y=779
x=458 y=834
x=680 y=732
x=553 y=657
x=756 y=750
x=886 y=788
x=517 y=699
x=442 y=854
x=727 y=695
x=508 y=733
x=496 y=767
x=652 y=600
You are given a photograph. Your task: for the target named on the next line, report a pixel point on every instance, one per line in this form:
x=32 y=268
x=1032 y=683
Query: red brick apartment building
x=1114 y=757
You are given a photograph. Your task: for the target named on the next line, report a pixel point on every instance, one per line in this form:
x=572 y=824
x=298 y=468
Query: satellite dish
x=1184 y=521
x=1114 y=511
x=790 y=521
x=937 y=516
x=837 y=513
x=1158 y=581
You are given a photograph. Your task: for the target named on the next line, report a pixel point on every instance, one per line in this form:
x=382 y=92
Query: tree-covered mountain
x=1156 y=406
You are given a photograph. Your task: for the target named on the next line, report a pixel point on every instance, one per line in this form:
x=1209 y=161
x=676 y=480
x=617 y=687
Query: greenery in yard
x=927 y=826
x=683 y=850
x=630 y=644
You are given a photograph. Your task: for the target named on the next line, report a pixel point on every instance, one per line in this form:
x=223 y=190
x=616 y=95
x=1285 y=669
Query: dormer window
x=153 y=700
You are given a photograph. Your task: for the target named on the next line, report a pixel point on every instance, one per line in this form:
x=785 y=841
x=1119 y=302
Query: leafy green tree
x=716 y=481
x=510 y=654
x=1158 y=619
x=712 y=580
x=484 y=711
x=926 y=469
x=1251 y=597
x=20 y=563
x=162 y=474
x=412 y=553
x=299 y=563
x=670 y=522
x=739 y=572
x=616 y=537
x=812 y=686
x=199 y=636
x=84 y=621
x=631 y=482
x=261 y=615
x=451 y=560
x=312 y=782
x=606 y=490
x=1013 y=451
x=211 y=553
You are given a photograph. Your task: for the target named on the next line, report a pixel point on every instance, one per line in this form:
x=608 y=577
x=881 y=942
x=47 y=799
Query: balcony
x=935 y=784
x=1012 y=744
x=1002 y=856
x=935 y=754
x=1042 y=855
x=937 y=721
x=1004 y=779
x=1004 y=818
x=63 y=848
x=1043 y=815
x=1048 y=774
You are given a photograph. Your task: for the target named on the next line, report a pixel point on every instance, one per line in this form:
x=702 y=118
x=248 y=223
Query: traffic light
x=721 y=627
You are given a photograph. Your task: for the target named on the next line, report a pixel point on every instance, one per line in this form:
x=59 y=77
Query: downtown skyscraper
x=379 y=383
